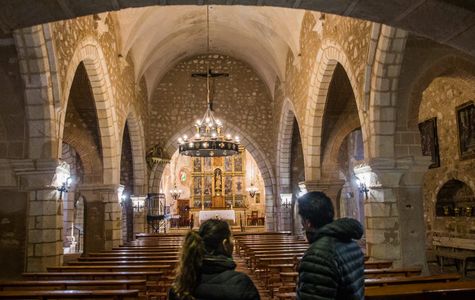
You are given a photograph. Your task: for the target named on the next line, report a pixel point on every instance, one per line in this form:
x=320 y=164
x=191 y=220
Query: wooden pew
x=71 y=294
x=115 y=258
x=112 y=268
x=147 y=275
x=121 y=284
x=123 y=262
x=412 y=279
x=392 y=272
x=459 y=290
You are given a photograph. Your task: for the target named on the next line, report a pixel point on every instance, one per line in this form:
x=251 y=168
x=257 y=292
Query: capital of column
x=383 y=172
x=322 y=185
x=35 y=174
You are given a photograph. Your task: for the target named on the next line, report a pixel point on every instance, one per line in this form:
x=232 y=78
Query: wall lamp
x=362 y=188
x=286 y=200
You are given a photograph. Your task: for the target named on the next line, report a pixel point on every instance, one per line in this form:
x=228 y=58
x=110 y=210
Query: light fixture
x=209 y=139
x=252 y=190
x=175 y=192
x=362 y=188
x=138 y=203
x=62 y=180
x=286 y=200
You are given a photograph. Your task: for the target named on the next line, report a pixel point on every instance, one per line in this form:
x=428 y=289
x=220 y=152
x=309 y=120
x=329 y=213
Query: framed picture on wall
x=429 y=141
x=466 y=130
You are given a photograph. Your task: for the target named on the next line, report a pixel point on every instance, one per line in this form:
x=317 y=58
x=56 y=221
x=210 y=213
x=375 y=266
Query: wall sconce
x=302 y=188
x=286 y=200
x=175 y=192
x=120 y=194
x=62 y=180
x=138 y=203
x=362 y=188
x=252 y=190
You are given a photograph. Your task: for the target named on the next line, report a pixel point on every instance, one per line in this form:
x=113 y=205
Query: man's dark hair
x=317 y=208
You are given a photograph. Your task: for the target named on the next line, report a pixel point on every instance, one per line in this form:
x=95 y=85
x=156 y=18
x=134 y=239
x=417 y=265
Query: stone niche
x=455 y=199
x=455 y=210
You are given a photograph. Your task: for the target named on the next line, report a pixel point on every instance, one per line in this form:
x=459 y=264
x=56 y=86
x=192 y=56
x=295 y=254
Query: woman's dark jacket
x=219 y=281
x=333 y=265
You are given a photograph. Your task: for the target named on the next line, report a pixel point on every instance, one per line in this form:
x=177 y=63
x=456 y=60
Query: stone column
x=102 y=222
x=411 y=212
x=330 y=187
x=44 y=213
x=392 y=214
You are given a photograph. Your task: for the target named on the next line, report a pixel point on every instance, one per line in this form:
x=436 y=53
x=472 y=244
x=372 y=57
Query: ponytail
x=188 y=270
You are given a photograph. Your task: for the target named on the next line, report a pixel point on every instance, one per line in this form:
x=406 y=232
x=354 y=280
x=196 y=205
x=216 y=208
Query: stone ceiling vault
x=157 y=38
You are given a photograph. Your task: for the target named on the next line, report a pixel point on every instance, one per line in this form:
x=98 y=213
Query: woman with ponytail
x=206 y=268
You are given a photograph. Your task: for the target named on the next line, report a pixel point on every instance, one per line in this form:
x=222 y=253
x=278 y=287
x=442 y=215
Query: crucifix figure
x=208 y=75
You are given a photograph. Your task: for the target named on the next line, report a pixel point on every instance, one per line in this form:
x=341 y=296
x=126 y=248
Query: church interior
x=124 y=124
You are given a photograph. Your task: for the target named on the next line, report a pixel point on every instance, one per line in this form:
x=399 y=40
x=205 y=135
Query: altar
x=225 y=214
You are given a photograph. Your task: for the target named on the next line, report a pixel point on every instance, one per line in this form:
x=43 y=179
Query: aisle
x=241 y=267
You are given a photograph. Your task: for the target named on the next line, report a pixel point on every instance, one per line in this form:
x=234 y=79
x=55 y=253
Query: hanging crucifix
x=208 y=75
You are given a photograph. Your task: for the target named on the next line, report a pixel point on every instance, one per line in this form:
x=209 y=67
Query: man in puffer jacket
x=333 y=265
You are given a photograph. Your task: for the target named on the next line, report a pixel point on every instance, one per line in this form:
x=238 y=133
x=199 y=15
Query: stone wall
x=440 y=100
x=12 y=107
x=241 y=99
x=12 y=233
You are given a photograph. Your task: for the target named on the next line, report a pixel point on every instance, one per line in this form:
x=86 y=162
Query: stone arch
x=38 y=70
x=330 y=156
x=90 y=53
x=328 y=56
x=254 y=149
x=137 y=141
x=284 y=141
x=452 y=65
x=384 y=80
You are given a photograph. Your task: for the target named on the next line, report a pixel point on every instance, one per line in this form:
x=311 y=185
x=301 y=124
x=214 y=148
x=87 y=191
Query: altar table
x=227 y=214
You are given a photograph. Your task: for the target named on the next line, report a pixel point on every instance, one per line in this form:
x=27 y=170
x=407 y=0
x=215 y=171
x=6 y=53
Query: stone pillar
x=331 y=188
x=270 y=209
x=411 y=212
x=44 y=213
x=102 y=222
x=392 y=214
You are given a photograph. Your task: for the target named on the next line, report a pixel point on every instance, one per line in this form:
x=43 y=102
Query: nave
x=144 y=269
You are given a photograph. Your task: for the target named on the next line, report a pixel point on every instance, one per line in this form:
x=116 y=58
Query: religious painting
x=207 y=164
x=228 y=185
x=208 y=185
x=258 y=198
x=429 y=141
x=238 y=163
x=197 y=203
x=196 y=164
x=239 y=201
x=466 y=130
x=217 y=161
x=207 y=202
x=197 y=186
x=228 y=165
x=228 y=201
x=218 y=182
x=238 y=185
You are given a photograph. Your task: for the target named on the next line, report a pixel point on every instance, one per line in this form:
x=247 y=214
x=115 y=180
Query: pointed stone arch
x=384 y=80
x=90 y=53
x=136 y=133
x=329 y=55
x=254 y=149
x=284 y=142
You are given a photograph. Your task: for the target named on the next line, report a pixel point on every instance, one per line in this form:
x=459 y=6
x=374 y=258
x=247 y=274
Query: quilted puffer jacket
x=333 y=265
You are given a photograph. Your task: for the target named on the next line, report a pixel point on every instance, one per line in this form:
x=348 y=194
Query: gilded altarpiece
x=218 y=182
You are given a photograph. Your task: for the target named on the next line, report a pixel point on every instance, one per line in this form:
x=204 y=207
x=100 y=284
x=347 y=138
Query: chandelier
x=252 y=190
x=175 y=192
x=208 y=139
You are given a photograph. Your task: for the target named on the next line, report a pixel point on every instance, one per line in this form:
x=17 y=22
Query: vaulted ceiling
x=157 y=38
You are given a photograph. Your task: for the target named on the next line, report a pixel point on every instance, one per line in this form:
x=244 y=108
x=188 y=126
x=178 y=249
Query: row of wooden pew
x=274 y=258
x=138 y=270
